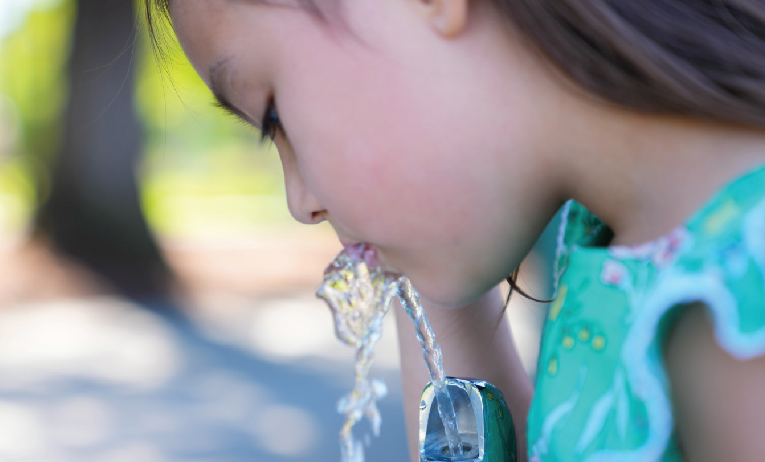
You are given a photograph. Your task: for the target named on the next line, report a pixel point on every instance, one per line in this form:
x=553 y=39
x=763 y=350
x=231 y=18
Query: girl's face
x=424 y=145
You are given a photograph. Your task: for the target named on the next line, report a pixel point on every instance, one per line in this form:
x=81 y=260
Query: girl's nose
x=302 y=204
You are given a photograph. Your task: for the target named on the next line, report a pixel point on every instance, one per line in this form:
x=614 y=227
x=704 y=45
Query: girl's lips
x=363 y=251
x=349 y=244
x=367 y=252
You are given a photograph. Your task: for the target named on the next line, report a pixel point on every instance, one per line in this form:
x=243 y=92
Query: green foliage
x=200 y=166
x=17 y=193
x=33 y=60
x=33 y=89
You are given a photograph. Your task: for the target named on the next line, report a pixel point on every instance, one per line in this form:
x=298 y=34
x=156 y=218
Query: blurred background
x=156 y=298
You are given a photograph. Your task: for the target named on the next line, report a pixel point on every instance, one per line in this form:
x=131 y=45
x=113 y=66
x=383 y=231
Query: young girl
x=447 y=133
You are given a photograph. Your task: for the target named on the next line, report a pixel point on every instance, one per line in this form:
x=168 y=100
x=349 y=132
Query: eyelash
x=270 y=124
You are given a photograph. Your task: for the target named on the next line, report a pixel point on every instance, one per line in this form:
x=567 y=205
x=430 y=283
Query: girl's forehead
x=221 y=36
x=310 y=6
x=201 y=17
x=234 y=26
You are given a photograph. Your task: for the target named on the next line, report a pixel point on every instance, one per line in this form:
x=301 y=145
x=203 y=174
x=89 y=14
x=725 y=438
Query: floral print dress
x=602 y=393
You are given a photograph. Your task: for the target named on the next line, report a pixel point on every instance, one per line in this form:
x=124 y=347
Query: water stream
x=431 y=352
x=359 y=293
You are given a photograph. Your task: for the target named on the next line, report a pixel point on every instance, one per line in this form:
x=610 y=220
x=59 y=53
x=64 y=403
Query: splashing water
x=359 y=293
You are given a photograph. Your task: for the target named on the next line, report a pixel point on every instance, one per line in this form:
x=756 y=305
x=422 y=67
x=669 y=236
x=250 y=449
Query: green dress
x=602 y=393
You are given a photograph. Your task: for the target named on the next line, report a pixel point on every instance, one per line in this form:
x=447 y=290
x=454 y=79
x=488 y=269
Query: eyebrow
x=219 y=72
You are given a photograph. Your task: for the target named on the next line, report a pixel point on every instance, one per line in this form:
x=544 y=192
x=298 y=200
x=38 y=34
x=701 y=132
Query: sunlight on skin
x=525 y=316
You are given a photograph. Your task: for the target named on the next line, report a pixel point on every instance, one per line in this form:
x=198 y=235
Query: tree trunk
x=93 y=213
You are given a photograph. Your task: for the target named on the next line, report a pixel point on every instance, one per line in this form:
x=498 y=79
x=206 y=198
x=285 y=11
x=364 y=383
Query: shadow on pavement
x=102 y=379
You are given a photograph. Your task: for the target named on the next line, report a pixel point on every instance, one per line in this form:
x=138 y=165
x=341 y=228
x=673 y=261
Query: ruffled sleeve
x=725 y=270
x=602 y=391
x=723 y=267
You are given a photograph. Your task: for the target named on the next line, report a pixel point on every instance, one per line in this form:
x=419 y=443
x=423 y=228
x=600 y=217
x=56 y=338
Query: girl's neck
x=647 y=174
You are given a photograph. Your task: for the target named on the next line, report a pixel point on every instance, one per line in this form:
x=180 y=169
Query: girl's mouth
x=363 y=251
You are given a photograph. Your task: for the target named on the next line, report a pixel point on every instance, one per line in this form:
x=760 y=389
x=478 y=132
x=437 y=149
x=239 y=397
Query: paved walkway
x=104 y=380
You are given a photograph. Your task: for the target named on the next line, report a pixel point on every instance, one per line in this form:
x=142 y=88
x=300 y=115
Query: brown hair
x=698 y=58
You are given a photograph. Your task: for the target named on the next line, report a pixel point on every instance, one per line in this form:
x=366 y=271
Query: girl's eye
x=270 y=124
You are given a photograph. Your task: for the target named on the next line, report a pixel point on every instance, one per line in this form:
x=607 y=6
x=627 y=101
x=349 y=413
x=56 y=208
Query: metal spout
x=487 y=432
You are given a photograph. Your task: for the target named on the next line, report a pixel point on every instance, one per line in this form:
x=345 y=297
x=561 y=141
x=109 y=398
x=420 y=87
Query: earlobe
x=447 y=17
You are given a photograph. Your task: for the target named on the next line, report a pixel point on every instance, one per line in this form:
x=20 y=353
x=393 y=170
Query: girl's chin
x=444 y=295
x=386 y=265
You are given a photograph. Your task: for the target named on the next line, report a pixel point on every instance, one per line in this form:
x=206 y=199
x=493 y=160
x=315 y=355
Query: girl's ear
x=447 y=17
